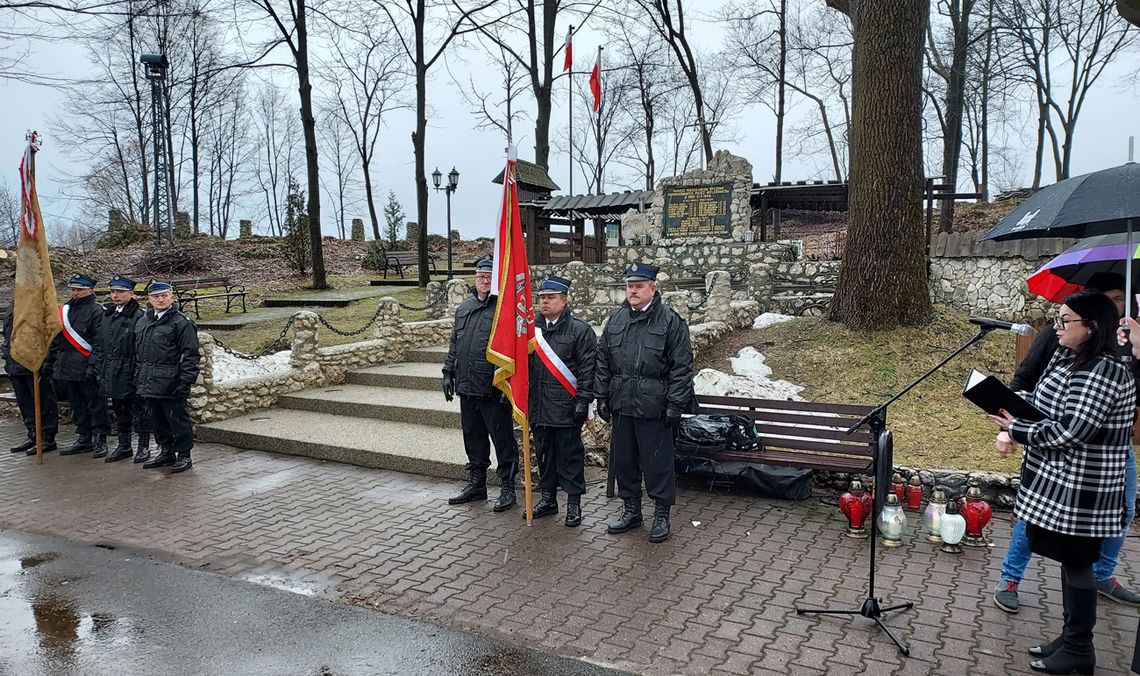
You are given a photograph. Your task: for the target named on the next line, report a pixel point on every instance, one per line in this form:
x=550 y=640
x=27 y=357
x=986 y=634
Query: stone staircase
x=390 y=417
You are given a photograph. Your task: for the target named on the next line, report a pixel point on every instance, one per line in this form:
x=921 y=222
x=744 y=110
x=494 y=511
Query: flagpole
x=39 y=419
x=570 y=112
x=527 y=495
x=598 y=121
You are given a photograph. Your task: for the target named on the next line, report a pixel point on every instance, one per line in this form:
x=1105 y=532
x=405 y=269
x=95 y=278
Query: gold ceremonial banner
x=35 y=319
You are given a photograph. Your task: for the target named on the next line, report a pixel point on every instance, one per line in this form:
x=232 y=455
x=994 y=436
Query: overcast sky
x=1101 y=141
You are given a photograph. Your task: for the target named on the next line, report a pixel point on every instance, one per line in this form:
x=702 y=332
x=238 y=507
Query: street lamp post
x=452 y=184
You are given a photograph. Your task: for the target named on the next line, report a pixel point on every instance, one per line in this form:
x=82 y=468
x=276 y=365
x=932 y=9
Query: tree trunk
x=883 y=277
x=309 y=125
x=371 y=201
x=782 y=87
x=955 y=101
x=419 y=139
x=543 y=91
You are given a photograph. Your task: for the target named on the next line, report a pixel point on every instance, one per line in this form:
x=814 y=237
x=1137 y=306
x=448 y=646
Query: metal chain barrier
x=270 y=349
x=438 y=301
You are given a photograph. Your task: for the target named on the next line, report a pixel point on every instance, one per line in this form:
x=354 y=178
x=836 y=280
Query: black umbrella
x=1101 y=203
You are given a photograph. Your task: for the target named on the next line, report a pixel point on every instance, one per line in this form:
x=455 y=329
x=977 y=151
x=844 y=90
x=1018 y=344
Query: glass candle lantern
x=977 y=513
x=892 y=521
x=914 y=494
x=932 y=517
x=898 y=487
x=856 y=506
x=952 y=527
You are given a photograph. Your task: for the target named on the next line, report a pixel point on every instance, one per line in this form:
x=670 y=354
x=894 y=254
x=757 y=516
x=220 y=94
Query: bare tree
x=9 y=217
x=290 y=22
x=410 y=22
x=227 y=152
x=668 y=19
x=277 y=135
x=1061 y=36
x=343 y=161
x=885 y=210
x=606 y=137
x=367 y=77
x=498 y=109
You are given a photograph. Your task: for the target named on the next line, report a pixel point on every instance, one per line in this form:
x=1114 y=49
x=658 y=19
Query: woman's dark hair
x=1101 y=317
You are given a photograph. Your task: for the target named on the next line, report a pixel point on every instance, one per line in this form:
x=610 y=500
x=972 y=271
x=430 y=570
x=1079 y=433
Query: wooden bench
x=399 y=260
x=191 y=291
x=795 y=433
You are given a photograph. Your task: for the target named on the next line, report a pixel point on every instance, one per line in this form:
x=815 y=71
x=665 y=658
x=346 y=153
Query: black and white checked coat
x=1072 y=477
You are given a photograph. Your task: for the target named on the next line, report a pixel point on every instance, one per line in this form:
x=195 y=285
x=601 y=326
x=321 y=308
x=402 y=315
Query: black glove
x=581 y=412
x=604 y=410
x=448 y=386
x=673 y=418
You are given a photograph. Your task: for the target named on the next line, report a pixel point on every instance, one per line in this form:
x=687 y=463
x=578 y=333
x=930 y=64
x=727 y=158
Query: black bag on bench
x=706 y=434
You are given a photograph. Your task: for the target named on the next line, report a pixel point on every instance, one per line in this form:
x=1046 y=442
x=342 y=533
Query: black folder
x=991 y=395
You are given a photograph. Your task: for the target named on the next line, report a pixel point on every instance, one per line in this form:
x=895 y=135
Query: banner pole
x=39 y=419
x=527 y=497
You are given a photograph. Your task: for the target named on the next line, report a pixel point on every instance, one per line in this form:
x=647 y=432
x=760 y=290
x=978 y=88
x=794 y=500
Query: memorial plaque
x=697 y=211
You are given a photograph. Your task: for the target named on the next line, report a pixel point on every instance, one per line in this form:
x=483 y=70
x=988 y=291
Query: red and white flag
x=568 y=60
x=596 y=82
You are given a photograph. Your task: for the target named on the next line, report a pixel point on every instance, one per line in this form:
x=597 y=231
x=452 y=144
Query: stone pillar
x=718 y=296
x=436 y=301
x=388 y=323
x=412 y=231
x=182 y=225
x=758 y=286
x=457 y=292
x=358 y=229
x=245 y=229
x=679 y=301
x=204 y=385
x=115 y=221
x=305 y=339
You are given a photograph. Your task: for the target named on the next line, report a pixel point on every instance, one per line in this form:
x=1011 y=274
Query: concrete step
x=405 y=375
x=381 y=444
x=420 y=407
x=431 y=355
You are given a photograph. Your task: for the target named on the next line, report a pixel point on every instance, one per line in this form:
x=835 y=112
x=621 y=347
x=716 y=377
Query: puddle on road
x=37 y=559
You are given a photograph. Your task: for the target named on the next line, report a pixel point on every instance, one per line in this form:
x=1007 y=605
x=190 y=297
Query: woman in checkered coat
x=1072 y=477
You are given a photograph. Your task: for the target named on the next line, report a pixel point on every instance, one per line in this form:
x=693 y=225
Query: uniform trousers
x=486 y=421
x=170 y=420
x=130 y=413
x=24 y=389
x=88 y=406
x=561 y=458
x=643 y=447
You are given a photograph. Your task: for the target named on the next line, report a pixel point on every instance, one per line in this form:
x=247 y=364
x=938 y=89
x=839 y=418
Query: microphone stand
x=882 y=461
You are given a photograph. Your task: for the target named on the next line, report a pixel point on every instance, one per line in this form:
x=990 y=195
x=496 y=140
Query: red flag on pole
x=568 y=61
x=596 y=81
x=512 y=333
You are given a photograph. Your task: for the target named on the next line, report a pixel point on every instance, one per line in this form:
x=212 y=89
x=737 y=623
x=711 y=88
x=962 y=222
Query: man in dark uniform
x=75 y=370
x=117 y=369
x=561 y=389
x=644 y=382
x=24 y=389
x=166 y=366
x=484 y=410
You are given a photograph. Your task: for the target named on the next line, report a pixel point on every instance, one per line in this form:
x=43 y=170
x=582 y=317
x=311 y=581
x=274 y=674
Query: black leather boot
x=546 y=506
x=123 y=450
x=100 y=446
x=660 y=530
x=143 y=452
x=476 y=489
x=573 y=510
x=630 y=517
x=506 y=497
x=81 y=445
x=165 y=457
x=1047 y=649
x=24 y=445
x=1076 y=655
x=182 y=464
x=49 y=445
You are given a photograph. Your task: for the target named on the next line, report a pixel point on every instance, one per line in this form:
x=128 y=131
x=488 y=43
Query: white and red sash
x=69 y=332
x=554 y=363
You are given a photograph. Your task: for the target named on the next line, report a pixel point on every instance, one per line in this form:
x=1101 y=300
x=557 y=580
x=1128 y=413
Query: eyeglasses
x=1061 y=322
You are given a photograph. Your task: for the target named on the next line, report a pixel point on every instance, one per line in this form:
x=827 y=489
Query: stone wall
x=723 y=167
x=990 y=286
x=311 y=364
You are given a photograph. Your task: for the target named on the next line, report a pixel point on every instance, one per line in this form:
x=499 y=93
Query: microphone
x=990 y=324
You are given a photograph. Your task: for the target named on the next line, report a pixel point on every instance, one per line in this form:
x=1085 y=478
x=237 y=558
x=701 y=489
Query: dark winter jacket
x=645 y=362
x=573 y=340
x=166 y=355
x=467 y=356
x=117 y=360
x=15 y=368
x=86 y=317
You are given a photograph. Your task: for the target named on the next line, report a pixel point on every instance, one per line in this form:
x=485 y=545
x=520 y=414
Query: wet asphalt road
x=76 y=609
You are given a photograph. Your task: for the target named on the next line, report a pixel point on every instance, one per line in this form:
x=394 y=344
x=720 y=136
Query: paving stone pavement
x=716 y=598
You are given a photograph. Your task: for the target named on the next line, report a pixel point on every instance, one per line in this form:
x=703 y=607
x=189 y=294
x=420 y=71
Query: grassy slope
x=933 y=425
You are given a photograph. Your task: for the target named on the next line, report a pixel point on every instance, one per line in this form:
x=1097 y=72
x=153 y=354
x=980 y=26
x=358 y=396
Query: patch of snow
x=751 y=379
x=770 y=318
x=227 y=367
